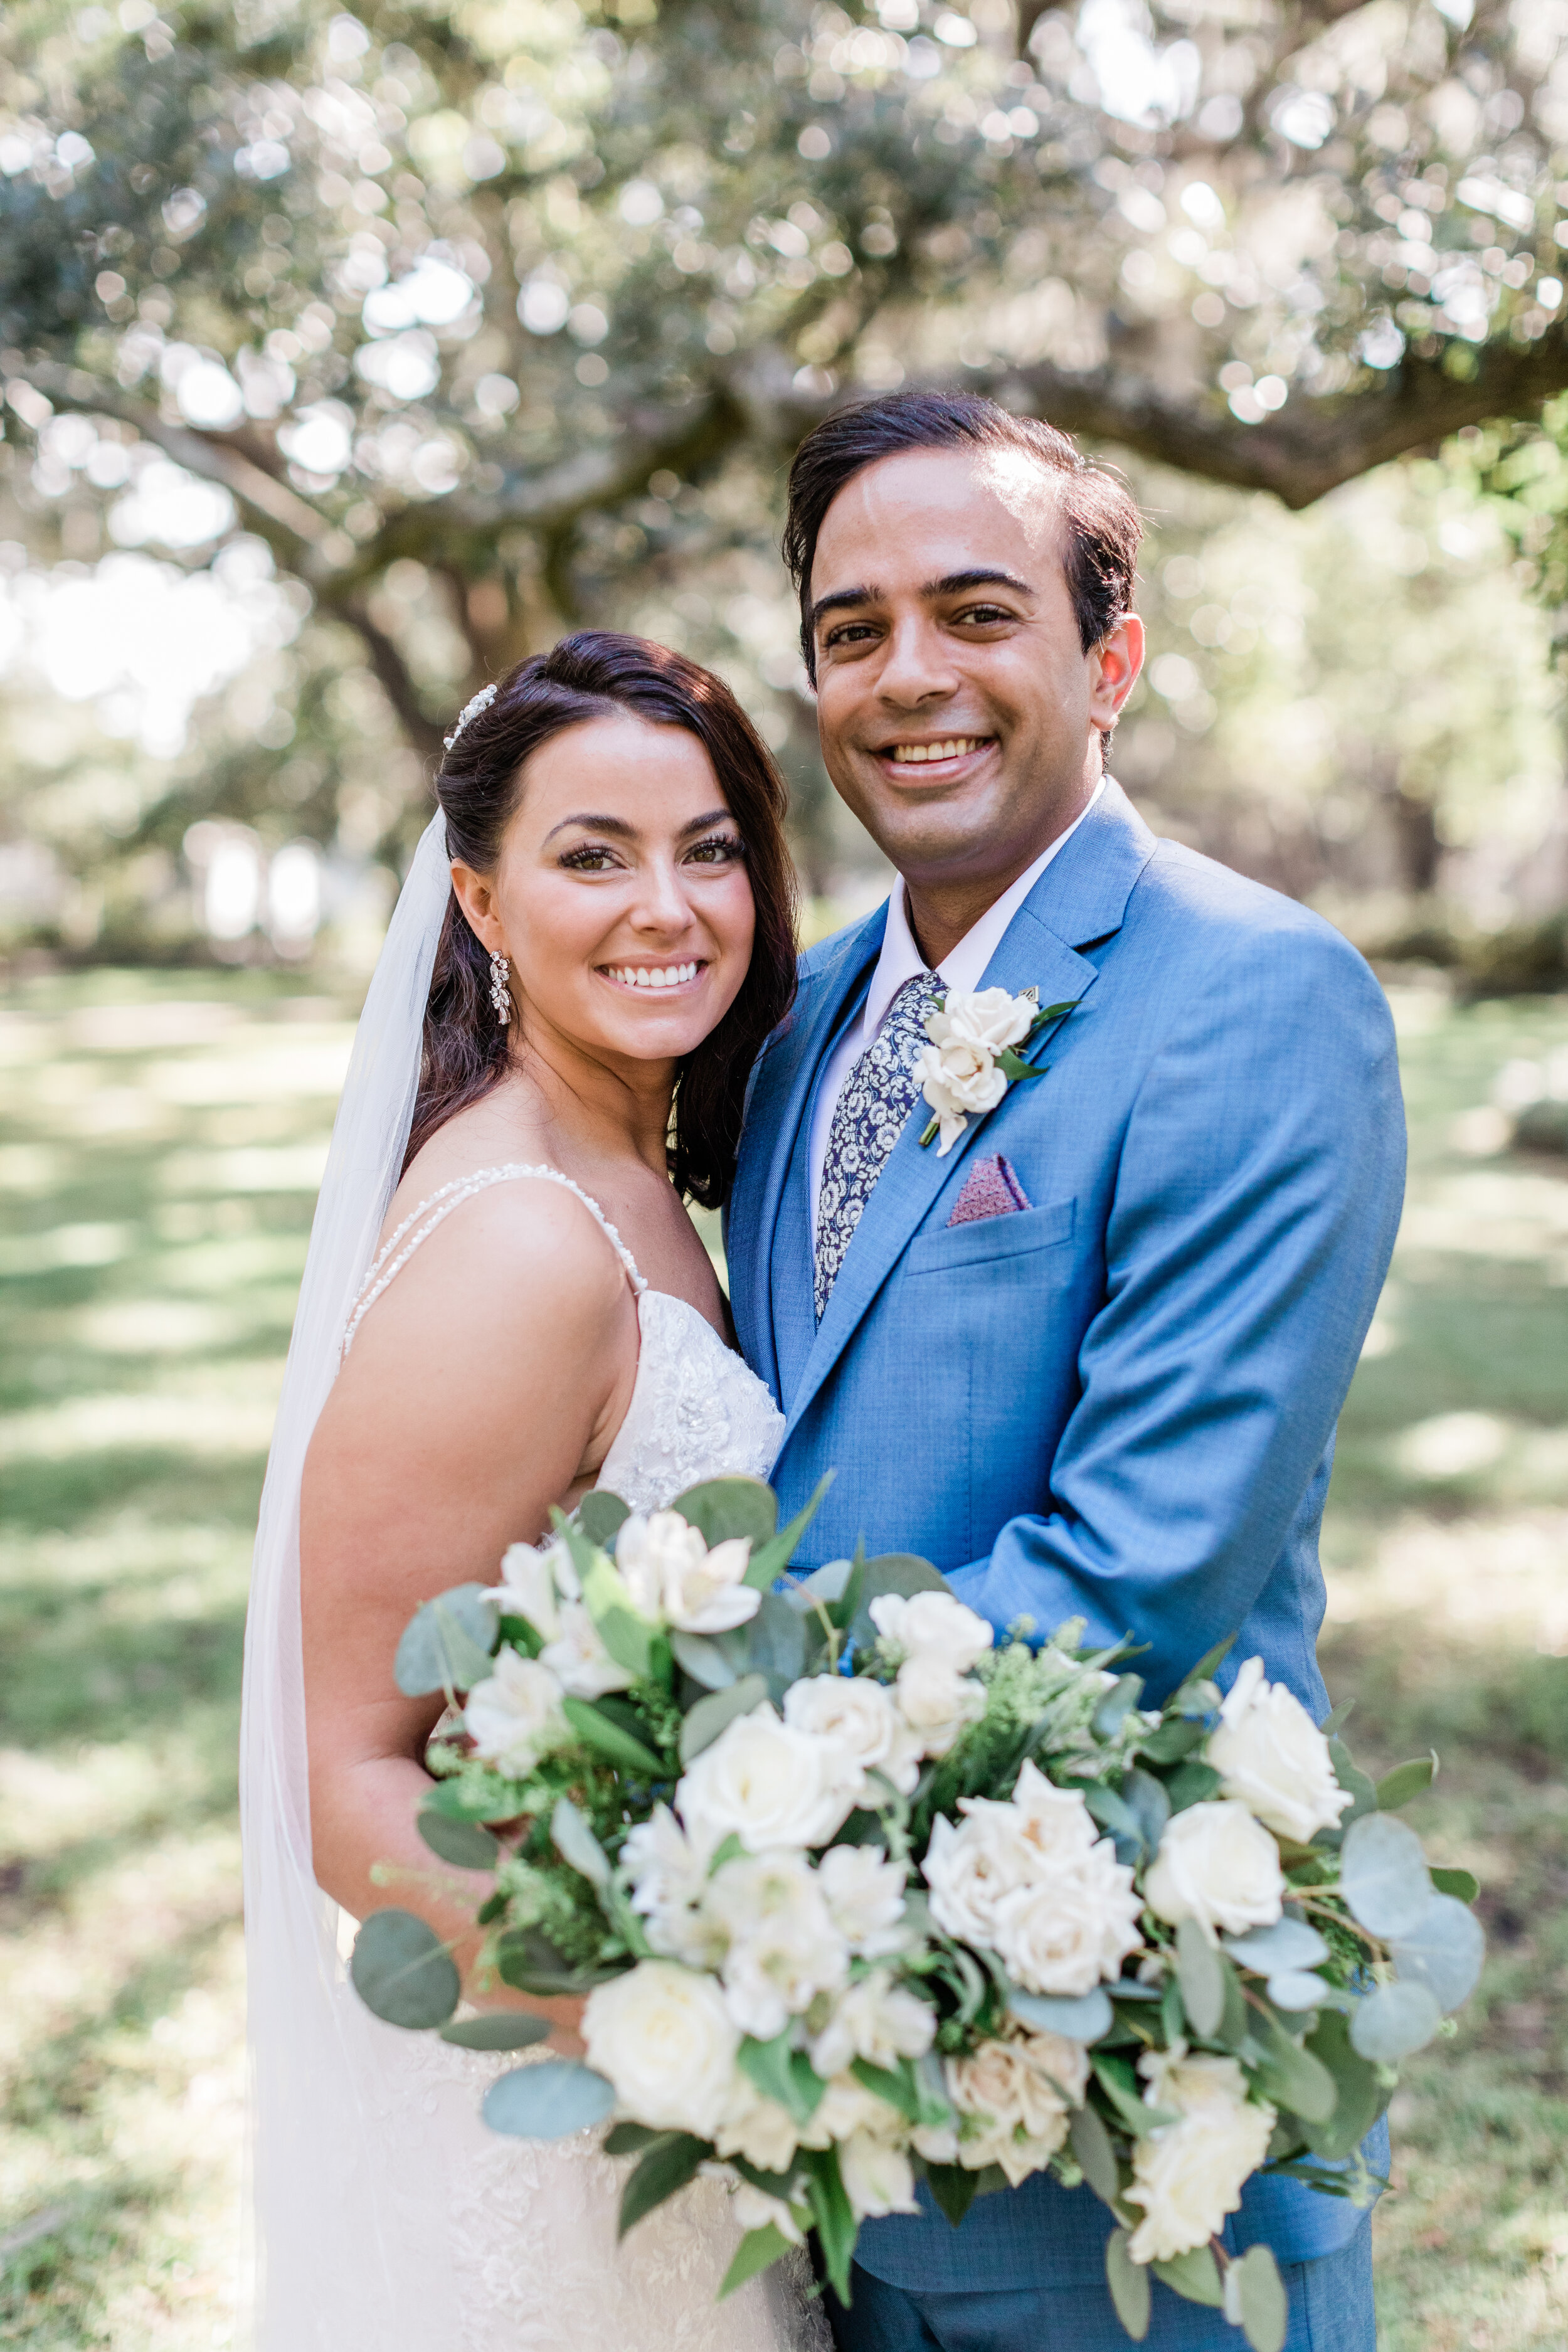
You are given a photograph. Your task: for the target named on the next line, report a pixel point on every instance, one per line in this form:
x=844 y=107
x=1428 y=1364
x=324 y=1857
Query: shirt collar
x=901 y=960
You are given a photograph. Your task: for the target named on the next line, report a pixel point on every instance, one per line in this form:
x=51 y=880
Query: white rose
x=670 y=1887
x=878 y=2179
x=753 y=2209
x=865 y=1894
x=1055 y=1821
x=875 y=2019
x=1218 y=1866
x=936 y=1703
x=971 y=1866
x=933 y=1623
x=1272 y=1757
x=578 y=1658
x=1021 y=2093
x=1063 y=1934
x=514 y=1714
x=1188 y=2176
x=845 y=2107
x=783 y=1949
x=955 y=1079
x=672 y=1577
x=756 y=2127
x=769 y=1784
x=665 y=2039
x=861 y=1713
x=528 y=1586
x=986 y=1016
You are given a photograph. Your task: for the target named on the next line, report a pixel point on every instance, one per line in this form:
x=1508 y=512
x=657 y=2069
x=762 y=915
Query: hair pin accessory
x=470 y=709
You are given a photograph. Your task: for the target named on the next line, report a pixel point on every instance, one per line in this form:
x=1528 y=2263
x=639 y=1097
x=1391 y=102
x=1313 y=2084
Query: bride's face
x=621 y=895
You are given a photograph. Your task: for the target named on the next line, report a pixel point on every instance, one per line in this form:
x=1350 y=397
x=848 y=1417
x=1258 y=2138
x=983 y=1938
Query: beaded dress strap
x=389 y=1260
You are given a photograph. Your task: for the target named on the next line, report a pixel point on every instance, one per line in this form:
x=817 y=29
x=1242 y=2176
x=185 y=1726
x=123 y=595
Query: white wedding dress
x=524 y=2231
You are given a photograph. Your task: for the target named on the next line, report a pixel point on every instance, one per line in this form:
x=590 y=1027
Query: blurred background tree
x=349 y=357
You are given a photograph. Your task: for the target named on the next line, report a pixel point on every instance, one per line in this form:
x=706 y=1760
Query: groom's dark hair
x=1103 y=525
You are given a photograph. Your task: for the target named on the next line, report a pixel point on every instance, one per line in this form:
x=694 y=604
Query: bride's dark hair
x=593 y=676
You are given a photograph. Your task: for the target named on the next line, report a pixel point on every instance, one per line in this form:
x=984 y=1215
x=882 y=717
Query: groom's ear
x=1117 y=660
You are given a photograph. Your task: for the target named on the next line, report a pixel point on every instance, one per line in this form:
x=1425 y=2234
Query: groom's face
x=960 y=715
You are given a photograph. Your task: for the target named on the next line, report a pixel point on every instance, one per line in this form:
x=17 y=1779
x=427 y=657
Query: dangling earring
x=500 y=994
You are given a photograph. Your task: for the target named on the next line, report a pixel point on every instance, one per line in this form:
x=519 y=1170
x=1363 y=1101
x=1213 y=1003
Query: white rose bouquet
x=860 y=1898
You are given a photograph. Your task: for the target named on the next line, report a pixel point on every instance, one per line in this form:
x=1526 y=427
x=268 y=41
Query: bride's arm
x=482 y=1387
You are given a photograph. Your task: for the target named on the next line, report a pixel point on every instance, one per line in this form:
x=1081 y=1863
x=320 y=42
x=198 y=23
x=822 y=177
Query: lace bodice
x=697 y=1412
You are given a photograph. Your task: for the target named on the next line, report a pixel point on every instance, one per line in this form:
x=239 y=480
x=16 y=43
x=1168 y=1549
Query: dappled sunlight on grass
x=162 y=1137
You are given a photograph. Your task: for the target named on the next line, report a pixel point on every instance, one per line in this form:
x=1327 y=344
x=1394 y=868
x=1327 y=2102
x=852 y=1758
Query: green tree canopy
x=534 y=293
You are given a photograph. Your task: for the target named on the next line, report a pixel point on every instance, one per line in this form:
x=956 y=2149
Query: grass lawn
x=161 y=1138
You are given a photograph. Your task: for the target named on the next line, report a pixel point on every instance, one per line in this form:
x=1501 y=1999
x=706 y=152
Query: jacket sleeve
x=1253 y=1214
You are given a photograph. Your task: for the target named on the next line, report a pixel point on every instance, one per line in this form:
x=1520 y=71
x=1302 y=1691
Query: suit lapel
x=779 y=1104
x=1080 y=898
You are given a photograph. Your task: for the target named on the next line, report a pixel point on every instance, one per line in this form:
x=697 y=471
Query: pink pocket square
x=990 y=1189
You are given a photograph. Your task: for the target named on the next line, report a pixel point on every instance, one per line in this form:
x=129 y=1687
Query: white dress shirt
x=901 y=960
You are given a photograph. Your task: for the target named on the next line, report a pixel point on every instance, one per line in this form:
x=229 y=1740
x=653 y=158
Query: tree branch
x=1308 y=448
x=393 y=675
x=292 y=527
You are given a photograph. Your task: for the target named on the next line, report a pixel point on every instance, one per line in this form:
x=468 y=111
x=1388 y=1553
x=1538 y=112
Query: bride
x=505 y=1304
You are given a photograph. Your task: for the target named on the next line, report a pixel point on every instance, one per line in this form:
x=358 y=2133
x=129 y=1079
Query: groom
x=1088 y=1358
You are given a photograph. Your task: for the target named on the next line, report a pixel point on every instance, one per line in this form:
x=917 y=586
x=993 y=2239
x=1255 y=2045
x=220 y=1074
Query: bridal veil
x=326 y=2185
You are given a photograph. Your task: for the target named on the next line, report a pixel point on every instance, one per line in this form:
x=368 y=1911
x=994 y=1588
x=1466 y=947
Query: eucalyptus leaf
x=704 y=1660
x=1360 y=2095
x=529 y=1962
x=755 y=2251
x=1128 y=2284
x=1207 y=1666
x=446 y=1643
x=1296 y=1989
x=1261 y=2303
x=1192 y=1783
x=1147 y=1800
x=1361 y=1790
x=1406 y=1780
x=1292 y=2078
x=1116 y=1705
x=1200 y=1972
x=575 y=1843
x=1173 y=1738
x=463 y=1843
x=1445 y=1952
x=714 y=1713
x=1195 y=2276
x=499 y=2029
x=1289 y=1944
x=1464 y=1884
x=721 y=1510
x=1384 y=1875
x=601 y=1516
x=1083 y=2018
x=1091 y=2145
x=1395 y=2020
x=548 y=2100
x=403 y=1971
x=777 y=1643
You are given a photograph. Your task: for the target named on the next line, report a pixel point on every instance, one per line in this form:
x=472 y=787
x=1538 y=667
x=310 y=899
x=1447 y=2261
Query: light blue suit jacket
x=1120 y=1403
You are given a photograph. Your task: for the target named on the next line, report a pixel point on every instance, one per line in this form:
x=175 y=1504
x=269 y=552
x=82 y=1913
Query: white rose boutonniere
x=970 y=1063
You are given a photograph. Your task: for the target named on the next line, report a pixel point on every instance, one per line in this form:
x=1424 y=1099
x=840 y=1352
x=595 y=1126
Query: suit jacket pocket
x=988 y=1238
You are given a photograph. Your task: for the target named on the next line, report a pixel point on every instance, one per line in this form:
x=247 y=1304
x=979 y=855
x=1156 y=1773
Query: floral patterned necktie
x=869 y=1118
